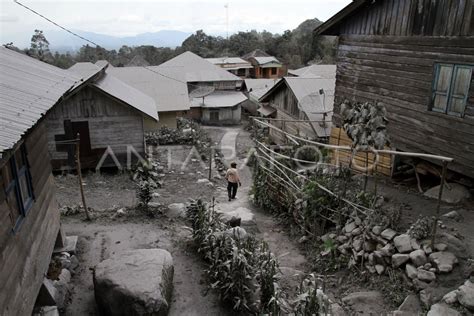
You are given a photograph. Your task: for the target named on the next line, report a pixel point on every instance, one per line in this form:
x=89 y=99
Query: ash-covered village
x=326 y=170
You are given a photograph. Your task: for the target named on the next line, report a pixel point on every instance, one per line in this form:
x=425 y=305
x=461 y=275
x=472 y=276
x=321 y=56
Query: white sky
x=133 y=17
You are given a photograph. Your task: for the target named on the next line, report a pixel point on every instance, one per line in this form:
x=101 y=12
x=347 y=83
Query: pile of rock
x=378 y=247
x=464 y=295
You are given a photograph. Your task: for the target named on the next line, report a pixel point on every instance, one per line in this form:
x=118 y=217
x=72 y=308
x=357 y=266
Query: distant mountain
x=62 y=41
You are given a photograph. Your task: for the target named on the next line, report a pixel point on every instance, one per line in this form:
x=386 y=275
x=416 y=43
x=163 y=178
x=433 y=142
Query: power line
x=97 y=45
x=51 y=21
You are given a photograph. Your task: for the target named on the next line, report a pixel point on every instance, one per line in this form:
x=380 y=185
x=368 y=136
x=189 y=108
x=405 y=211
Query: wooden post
x=79 y=174
x=438 y=207
x=211 y=155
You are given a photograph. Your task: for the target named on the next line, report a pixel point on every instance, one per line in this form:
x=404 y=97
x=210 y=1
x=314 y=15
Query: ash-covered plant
x=145 y=170
x=145 y=189
x=422 y=228
x=365 y=124
x=311 y=299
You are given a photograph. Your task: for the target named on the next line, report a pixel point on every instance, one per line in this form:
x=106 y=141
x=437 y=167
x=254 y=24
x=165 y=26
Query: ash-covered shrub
x=422 y=228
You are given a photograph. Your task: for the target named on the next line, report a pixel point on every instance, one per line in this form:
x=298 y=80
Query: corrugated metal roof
x=266 y=60
x=306 y=91
x=258 y=87
x=219 y=99
x=168 y=94
x=117 y=88
x=322 y=71
x=194 y=68
x=28 y=89
x=229 y=61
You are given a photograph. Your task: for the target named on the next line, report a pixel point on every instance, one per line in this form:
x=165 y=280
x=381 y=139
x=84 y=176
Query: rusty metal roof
x=28 y=89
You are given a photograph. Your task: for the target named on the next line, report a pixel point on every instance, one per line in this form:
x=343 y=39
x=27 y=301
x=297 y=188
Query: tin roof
x=28 y=89
x=310 y=101
x=256 y=88
x=267 y=60
x=168 y=94
x=193 y=68
x=322 y=71
x=219 y=99
x=117 y=88
x=229 y=61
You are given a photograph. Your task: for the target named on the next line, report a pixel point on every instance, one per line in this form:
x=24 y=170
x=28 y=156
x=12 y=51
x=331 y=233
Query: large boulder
x=410 y=306
x=135 y=282
x=466 y=295
x=453 y=193
x=365 y=303
x=441 y=309
x=444 y=261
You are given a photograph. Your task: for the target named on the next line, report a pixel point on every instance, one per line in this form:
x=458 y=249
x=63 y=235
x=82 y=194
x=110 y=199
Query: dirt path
x=291 y=259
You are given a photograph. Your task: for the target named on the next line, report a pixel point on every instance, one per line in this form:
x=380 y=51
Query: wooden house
x=234 y=65
x=30 y=219
x=213 y=91
x=264 y=65
x=300 y=106
x=417 y=57
x=170 y=96
x=109 y=116
x=254 y=89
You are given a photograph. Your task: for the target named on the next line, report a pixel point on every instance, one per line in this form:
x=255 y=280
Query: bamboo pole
x=438 y=207
x=79 y=175
x=210 y=162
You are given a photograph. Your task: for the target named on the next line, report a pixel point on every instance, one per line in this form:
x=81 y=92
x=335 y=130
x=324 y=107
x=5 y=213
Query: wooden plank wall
x=413 y=17
x=25 y=254
x=399 y=71
x=340 y=138
x=111 y=123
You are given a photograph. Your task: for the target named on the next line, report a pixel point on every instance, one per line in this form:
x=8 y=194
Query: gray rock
x=399 y=259
x=342 y=239
x=349 y=227
x=135 y=282
x=442 y=310
x=74 y=263
x=440 y=247
x=61 y=286
x=451 y=297
x=377 y=230
x=403 y=243
x=418 y=257
x=453 y=194
x=365 y=303
x=414 y=244
x=203 y=181
x=236 y=232
x=466 y=295
x=356 y=231
x=455 y=245
x=411 y=271
x=443 y=260
x=357 y=244
x=431 y=295
x=411 y=304
x=387 y=250
x=337 y=310
x=46 y=311
x=388 y=234
x=177 y=210
x=427 y=266
x=453 y=215
x=427 y=249
x=426 y=276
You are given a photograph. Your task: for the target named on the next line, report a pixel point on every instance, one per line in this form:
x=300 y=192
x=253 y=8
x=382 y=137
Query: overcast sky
x=133 y=17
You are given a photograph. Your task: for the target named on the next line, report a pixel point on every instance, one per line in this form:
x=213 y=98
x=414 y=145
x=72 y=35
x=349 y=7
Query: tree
x=39 y=47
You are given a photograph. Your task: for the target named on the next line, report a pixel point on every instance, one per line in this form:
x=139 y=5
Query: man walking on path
x=233 y=180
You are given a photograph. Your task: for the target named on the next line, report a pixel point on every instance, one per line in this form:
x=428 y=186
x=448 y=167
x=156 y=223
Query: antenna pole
x=227 y=18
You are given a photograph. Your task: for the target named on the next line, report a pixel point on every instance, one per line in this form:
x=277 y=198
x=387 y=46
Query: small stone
x=411 y=305
x=418 y=257
x=432 y=270
x=403 y=243
x=387 y=250
x=420 y=285
x=426 y=276
x=453 y=215
x=440 y=247
x=466 y=295
x=399 y=259
x=377 y=230
x=356 y=231
x=303 y=239
x=349 y=227
x=411 y=271
x=454 y=193
x=380 y=269
x=442 y=310
x=370 y=268
x=342 y=239
x=451 y=297
x=414 y=244
x=427 y=266
x=388 y=234
x=444 y=261
x=357 y=244
x=357 y=221
x=427 y=249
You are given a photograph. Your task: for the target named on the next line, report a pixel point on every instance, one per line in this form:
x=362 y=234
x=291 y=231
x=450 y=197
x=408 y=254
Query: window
x=241 y=72
x=17 y=188
x=451 y=88
x=274 y=71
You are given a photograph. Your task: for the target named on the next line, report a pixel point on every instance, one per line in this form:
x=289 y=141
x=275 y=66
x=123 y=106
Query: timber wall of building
x=399 y=71
x=110 y=123
x=26 y=253
x=388 y=51
x=227 y=116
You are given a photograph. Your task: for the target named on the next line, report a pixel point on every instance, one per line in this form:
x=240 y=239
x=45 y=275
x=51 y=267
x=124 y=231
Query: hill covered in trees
x=295 y=48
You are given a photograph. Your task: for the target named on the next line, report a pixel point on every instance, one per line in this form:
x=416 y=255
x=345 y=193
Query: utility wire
x=97 y=45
